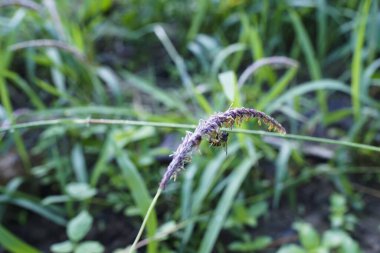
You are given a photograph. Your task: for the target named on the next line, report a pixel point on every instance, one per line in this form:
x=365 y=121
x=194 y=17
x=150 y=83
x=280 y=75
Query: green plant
x=71 y=74
x=340 y=218
x=77 y=229
x=336 y=238
x=241 y=217
x=312 y=242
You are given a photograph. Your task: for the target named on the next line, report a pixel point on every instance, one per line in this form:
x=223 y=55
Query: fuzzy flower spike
x=210 y=129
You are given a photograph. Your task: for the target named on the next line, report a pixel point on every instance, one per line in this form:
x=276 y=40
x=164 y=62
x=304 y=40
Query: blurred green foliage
x=334 y=239
x=177 y=62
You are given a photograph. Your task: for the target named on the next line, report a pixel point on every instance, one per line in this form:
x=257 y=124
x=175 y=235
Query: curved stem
x=79 y=121
x=152 y=205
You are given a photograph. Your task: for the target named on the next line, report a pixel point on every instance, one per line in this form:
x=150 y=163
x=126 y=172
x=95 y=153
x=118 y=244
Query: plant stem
x=152 y=205
x=79 y=121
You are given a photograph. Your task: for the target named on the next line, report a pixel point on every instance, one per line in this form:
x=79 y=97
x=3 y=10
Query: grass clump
x=93 y=97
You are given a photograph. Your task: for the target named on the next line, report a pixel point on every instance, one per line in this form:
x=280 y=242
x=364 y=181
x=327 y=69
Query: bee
x=219 y=139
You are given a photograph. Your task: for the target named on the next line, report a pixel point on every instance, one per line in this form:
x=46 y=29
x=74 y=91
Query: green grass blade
x=338 y=115
x=251 y=32
x=277 y=89
x=306 y=45
x=281 y=171
x=373 y=32
x=324 y=84
x=10 y=187
x=207 y=180
x=256 y=46
x=225 y=203
x=168 y=100
x=256 y=43
x=230 y=86
x=51 y=89
x=305 y=88
x=5 y=99
x=6 y=102
x=24 y=86
x=186 y=190
x=112 y=81
x=209 y=177
x=367 y=75
x=79 y=163
x=14 y=244
x=322 y=28
x=221 y=57
x=182 y=69
x=311 y=59
x=38 y=209
x=101 y=164
x=356 y=66
x=196 y=22
x=139 y=192
x=58 y=78
x=198 y=51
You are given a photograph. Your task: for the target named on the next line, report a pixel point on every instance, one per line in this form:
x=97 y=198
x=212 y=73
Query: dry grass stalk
x=48 y=43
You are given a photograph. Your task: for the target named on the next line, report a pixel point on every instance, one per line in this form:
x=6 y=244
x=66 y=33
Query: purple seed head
x=207 y=128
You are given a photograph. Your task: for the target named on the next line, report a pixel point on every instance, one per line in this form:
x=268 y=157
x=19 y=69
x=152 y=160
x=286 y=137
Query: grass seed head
x=210 y=129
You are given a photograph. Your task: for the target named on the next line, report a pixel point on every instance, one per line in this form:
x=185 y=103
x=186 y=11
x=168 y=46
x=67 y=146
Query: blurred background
x=71 y=186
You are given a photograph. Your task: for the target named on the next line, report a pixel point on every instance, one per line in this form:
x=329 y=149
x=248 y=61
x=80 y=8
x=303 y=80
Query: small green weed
x=335 y=239
x=77 y=229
